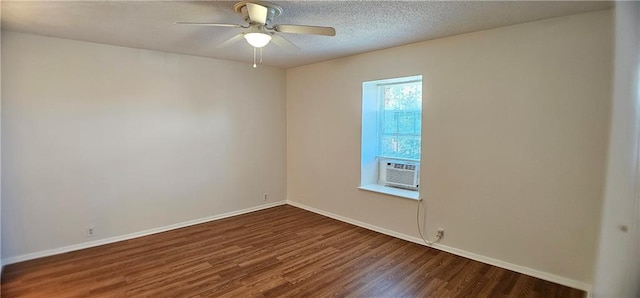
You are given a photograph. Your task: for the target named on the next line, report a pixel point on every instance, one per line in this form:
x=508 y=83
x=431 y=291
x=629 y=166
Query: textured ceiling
x=361 y=26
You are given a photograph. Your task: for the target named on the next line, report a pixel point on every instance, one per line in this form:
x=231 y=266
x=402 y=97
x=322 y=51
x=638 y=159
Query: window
x=391 y=135
x=400 y=120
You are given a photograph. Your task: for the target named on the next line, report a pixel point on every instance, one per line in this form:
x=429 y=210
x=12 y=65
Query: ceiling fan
x=260 y=31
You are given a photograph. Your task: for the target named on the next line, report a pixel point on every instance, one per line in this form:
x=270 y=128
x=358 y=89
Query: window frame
x=380 y=124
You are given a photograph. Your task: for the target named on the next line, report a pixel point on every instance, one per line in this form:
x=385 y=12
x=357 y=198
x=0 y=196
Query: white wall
x=618 y=266
x=127 y=140
x=515 y=128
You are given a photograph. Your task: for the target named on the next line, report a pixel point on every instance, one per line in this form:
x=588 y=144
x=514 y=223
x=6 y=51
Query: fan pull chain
x=254 y=58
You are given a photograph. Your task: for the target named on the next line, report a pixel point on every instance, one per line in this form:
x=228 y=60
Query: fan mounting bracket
x=273 y=10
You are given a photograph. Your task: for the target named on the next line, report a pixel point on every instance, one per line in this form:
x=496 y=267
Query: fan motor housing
x=273 y=10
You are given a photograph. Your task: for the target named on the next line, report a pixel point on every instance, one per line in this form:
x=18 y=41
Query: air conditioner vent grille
x=400 y=174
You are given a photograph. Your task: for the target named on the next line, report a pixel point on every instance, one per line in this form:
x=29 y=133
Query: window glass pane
x=400 y=147
x=406 y=122
x=389 y=122
x=403 y=97
x=401 y=122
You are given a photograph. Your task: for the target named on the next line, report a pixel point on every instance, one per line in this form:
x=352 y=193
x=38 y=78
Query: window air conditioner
x=401 y=174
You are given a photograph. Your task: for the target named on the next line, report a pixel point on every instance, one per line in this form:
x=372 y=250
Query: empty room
x=320 y=148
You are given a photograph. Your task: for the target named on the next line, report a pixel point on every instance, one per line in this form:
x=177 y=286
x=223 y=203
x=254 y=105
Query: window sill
x=392 y=191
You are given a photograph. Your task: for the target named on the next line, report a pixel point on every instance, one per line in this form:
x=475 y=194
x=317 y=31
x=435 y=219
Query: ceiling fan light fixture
x=257 y=39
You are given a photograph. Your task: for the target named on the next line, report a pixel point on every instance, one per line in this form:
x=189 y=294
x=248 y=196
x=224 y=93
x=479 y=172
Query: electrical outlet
x=440 y=233
x=90 y=231
x=265 y=197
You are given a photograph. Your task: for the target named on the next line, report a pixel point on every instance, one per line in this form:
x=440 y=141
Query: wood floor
x=278 y=252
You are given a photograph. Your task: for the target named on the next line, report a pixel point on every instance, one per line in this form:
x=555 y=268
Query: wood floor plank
x=278 y=252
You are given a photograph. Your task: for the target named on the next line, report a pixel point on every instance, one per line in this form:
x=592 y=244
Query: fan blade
x=315 y=30
x=209 y=24
x=257 y=13
x=284 y=43
x=231 y=40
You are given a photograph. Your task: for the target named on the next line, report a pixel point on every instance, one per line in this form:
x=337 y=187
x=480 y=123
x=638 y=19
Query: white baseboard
x=55 y=251
x=463 y=253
